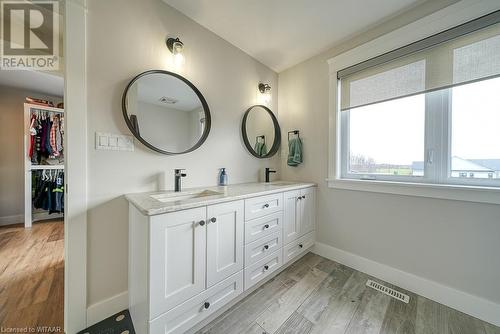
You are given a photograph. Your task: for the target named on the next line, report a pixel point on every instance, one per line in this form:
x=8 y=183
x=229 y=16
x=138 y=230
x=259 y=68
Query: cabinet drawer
x=189 y=313
x=264 y=226
x=263 y=205
x=298 y=247
x=263 y=268
x=261 y=248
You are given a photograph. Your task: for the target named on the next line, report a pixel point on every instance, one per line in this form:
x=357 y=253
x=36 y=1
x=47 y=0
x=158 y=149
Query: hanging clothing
x=53 y=129
x=46 y=141
x=48 y=190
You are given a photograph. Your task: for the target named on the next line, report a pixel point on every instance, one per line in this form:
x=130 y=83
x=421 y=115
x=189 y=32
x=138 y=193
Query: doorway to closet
x=32 y=197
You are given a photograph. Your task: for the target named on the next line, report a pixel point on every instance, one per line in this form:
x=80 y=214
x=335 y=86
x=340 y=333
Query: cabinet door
x=307 y=211
x=178 y=258
x=224 y=240
x=291 y=215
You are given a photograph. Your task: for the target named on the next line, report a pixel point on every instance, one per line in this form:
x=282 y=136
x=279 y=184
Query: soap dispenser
x=222 y=177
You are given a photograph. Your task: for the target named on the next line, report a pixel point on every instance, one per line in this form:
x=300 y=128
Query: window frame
x=436 y=183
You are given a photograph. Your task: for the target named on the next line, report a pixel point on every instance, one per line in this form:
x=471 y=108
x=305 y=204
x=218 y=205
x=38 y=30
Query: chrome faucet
x=178 y=175
x=268 y=172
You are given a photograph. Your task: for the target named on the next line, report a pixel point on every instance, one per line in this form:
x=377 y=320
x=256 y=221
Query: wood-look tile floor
x=32 y=276
x=316 y=295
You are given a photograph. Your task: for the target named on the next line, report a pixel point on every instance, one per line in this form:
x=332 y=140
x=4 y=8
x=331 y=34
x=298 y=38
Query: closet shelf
x=41 y=167
x=44 y=108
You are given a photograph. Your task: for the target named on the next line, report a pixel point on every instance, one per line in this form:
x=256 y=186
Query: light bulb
x=178 y=59
x=177 y=48
x=265 y=93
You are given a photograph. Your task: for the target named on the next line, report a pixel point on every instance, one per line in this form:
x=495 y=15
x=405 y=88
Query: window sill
x=451 y=192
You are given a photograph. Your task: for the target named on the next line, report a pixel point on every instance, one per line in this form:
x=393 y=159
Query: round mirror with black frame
x=261 y=131
x=166 y=112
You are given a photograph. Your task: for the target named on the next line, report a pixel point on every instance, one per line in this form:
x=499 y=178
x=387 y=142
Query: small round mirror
x=261 y=131
x=166 y=112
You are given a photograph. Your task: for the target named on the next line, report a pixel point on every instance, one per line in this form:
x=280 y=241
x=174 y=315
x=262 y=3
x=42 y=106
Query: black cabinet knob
x=266 y=267
x=266 y=226
x=202 y=222
x=206 y=305
x=301 y=245
x=266 y=205
x=266 y=247
x=299 y=198
x=304 y=196
x=213 y=219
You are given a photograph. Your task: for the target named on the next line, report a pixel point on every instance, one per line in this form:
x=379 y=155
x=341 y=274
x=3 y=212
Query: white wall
x=168 y=129
x=12 y=155
x=450 y=242
x=126 y=37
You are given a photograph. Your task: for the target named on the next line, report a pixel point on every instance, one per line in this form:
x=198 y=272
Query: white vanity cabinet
x=185 y=265
x=299 y=214
x=224 y=240
x=178 y=258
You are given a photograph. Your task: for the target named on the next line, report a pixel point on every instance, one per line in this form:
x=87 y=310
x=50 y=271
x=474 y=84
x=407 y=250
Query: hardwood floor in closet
x=316 y=295
x=32 y=275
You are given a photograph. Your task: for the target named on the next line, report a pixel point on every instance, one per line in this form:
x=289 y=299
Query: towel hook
x=295 y=132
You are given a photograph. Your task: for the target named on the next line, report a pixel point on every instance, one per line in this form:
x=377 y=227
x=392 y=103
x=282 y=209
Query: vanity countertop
x=159 y=202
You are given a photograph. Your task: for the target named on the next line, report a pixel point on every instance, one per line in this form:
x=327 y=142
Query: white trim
x=75 y=218
x=430 y=190
x=10 y=220
x=473 y=305
x=106 y=308
x=446 y=18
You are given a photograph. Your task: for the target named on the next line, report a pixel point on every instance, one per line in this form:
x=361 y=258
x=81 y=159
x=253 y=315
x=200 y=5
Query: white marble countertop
x=156 y=203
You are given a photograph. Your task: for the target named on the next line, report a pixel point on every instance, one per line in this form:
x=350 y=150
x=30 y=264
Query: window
x=393 y=146
x=431 y=115
x=475 y=130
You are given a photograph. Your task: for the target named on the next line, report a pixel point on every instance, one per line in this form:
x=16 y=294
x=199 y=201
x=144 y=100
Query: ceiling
x=283 y=33
x=33 y=81
x=152 y=88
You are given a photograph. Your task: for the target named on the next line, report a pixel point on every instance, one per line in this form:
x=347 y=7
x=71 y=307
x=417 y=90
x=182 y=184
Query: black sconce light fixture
x=265 y=90
x=177 y=48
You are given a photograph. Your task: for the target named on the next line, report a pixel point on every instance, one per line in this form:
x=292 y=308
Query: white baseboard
x=475 y=306
x=9 y=220
x=106 y=308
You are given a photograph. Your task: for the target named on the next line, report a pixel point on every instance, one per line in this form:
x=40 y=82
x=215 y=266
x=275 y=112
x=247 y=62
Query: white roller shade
x=468 y=58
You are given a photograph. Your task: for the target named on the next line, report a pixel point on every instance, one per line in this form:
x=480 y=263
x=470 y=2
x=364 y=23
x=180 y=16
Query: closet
x=44 y=163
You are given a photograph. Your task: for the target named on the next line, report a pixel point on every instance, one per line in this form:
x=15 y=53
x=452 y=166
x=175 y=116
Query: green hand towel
x=260 y=148
x=263 y=150
x=257 y=148
x=294 y=152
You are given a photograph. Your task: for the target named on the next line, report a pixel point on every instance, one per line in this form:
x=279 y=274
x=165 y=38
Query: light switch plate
x=113 y=142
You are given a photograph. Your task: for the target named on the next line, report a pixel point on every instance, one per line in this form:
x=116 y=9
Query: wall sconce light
x=265 y=90
x=177 y=48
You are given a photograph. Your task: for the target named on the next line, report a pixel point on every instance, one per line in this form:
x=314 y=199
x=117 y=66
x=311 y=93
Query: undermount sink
x=185 y=195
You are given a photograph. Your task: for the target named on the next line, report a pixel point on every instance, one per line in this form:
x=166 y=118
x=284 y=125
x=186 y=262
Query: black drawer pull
x=213 y=219
x=202 y=222
x=299 y=198
x=266 y=226
x=206 y=305
x=304 y=196
x=301 y=245
x=266 y=247
x=266 y=267
x=266 y=205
